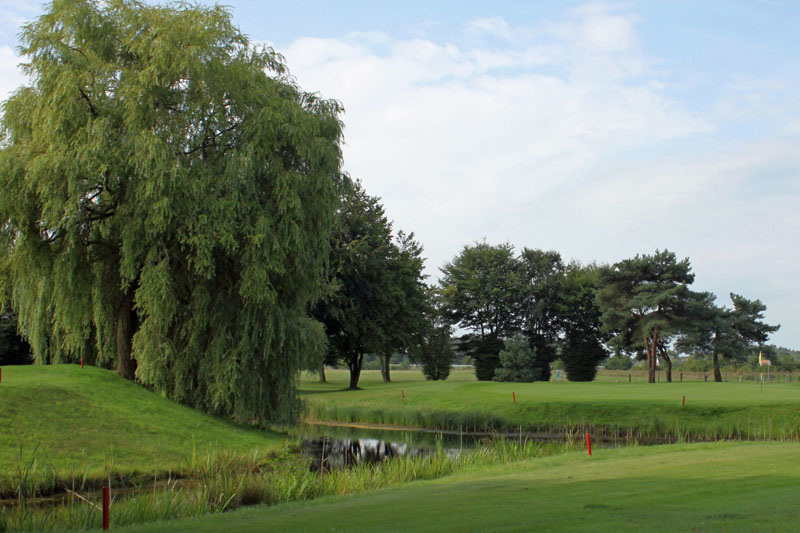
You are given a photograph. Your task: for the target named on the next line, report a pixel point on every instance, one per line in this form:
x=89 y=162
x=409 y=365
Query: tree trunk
x=355 y=364
x=651 y=356
x=385 y=368
x=322 y=378
x=126 y=327
x=717 y=373
x=669 y=367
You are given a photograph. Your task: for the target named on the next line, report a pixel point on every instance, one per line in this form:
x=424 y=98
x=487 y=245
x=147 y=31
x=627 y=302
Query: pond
x=331 y=446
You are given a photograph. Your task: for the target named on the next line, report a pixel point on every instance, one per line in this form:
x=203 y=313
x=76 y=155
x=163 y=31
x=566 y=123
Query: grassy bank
x=698 y=487
x=62 y=424
x=624 y=410
x=224 y=482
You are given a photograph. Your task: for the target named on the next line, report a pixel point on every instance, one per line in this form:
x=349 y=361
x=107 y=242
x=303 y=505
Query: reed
x=225 y=480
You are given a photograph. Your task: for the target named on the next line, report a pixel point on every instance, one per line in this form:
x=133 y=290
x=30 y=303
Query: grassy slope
x=89 y=418
x=712 y=409
x=703 y=487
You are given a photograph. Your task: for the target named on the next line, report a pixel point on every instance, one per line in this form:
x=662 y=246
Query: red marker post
x=514 y=396
x=1 y=375
x=106 y=504
x=403 y=393
x=683 y=404
x=588 y=445
x=81 y=362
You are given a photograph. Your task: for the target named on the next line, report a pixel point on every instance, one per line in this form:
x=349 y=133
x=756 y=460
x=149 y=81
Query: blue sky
x=600 y=130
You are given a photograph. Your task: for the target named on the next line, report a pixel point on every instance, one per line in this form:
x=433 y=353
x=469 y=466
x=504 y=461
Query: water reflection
x=328 y=453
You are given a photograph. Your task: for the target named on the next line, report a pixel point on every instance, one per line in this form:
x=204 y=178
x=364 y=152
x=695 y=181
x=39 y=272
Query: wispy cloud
x=562 y=136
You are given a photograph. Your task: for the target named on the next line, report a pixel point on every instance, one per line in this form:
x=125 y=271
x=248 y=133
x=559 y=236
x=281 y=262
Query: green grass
x=223 y=482
x=713 y=411
x=698 y=487
x=62 y=421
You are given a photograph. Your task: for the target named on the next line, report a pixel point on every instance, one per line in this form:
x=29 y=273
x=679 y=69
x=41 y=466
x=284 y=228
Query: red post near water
x=106 y=503
x=514 y=396
x=588 y=445
x=684 y=401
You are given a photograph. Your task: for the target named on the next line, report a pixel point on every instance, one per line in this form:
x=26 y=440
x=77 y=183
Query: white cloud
x=11 y=77
x=562 y=138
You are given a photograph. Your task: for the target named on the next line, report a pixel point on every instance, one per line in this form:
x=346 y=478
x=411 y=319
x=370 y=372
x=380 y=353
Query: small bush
x=518 y=361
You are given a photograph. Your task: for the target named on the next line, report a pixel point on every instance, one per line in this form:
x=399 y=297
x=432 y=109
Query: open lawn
x=90 y=420
x=729 y=410
x=697 y=487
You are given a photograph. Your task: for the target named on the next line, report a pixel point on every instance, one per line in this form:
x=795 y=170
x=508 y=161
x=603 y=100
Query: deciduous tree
x=168 y=194
x=377 y=298
x=582 y=348
x=479 y=287
x=433 y=343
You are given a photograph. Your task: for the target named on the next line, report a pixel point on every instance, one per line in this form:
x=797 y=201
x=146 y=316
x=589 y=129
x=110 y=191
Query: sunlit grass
x=712 y=411
x=697 y=487
x=61 y=423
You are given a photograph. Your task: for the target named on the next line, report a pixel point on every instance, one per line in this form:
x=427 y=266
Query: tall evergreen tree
x=644 y=298
x=725 y=332
x=168 y=199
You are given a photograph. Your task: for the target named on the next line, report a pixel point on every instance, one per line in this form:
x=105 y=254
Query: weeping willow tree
x=167 y=198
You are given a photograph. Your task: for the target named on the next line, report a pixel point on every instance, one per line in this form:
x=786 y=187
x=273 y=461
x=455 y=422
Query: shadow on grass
x=313 y=392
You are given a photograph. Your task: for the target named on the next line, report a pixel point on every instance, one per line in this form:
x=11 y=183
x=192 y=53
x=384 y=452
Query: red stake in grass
x=106 y=503
x=514 y=396
x=684 y=401
x=81 y=362
x=403 y=393
x=1 y=375
x=588 y=445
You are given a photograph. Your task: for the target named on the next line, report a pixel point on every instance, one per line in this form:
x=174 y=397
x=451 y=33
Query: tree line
x=641 y=307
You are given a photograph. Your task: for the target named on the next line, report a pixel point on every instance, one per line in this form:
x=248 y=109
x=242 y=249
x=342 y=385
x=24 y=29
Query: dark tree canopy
x=541 y=294
x=725 y=332
x=643 y=299
x=376 y=298
x=582 y=348
x=432 y=342
x=13 y=348
x=479 y=289
x=168 y=199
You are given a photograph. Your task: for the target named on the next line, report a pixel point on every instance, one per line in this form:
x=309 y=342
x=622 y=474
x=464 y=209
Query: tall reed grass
x=223 y=481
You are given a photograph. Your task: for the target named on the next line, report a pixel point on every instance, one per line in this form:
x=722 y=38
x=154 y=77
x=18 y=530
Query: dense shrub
x=581 y=357
x=618 y=362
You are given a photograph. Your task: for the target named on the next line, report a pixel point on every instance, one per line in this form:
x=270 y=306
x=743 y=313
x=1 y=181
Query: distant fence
x=639 y=376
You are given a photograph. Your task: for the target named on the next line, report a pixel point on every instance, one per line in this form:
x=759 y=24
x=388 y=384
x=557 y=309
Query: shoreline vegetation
x=608 y=410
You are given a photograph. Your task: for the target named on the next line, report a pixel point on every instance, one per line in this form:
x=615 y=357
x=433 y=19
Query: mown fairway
x=712 y=410
x=91 y=420
x=699 y=487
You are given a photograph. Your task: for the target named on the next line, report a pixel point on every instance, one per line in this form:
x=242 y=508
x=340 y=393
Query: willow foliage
x=168 y=194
